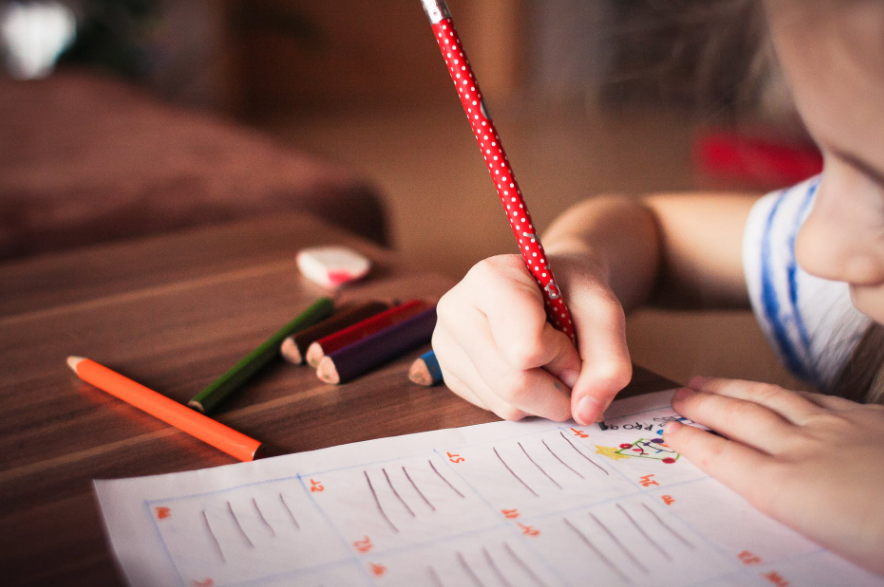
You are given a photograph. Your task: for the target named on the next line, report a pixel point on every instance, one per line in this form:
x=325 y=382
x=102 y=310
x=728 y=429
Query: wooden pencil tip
x=197 y=406
x=73 y=361
x=418 y=373
x=327 y=372
x=314 y=355
x=290 y=351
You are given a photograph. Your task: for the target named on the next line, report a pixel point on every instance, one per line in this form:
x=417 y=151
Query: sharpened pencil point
x=73 y=361
x=196 y=406
x=418 y=373
x=290 y=352
x=327 y=372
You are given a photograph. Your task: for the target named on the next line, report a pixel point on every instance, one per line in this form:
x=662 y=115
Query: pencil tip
x=290 y=352
x=327 y=372
x=197 y=406
x=73 y=361
x=418 y=373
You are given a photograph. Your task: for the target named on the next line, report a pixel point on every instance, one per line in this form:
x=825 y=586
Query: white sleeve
x=809 y=321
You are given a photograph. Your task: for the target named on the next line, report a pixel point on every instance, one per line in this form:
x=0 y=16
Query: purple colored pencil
x=362 y=356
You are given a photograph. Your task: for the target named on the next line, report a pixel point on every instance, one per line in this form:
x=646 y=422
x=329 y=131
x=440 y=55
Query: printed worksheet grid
x=517 y=530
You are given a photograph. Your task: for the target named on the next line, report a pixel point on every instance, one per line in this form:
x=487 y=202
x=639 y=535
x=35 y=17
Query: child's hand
x=497 y=350
x=813 y=462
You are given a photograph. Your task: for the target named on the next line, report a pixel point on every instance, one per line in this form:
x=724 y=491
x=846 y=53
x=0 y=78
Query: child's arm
x=813 y=462
x=673 y=249
x=492 y=339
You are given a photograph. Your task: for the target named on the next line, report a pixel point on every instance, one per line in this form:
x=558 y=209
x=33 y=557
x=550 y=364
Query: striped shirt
x=810 y=322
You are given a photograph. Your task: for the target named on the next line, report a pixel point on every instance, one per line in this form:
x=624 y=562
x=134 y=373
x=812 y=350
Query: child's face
x=833 y=54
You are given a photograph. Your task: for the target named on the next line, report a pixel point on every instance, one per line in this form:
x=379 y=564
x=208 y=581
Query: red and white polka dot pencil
x=498 y=164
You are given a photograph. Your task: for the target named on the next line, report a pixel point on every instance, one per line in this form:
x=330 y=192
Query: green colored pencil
x=209 y=398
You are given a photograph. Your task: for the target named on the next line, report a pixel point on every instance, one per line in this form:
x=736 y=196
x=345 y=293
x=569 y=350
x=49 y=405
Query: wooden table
x=173 y=313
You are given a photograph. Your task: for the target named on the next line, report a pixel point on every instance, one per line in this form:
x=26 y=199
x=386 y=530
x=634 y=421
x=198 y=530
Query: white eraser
x=332 y=267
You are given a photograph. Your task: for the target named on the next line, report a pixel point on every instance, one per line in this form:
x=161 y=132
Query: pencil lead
x=73 y=361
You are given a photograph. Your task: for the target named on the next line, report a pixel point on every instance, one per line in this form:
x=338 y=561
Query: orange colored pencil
x=210 y=431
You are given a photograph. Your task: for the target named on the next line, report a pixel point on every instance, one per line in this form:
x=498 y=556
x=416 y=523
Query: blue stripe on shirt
x=792 y=272
x=770 y=301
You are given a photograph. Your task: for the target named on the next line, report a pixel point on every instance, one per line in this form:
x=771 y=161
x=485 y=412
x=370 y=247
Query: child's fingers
x=601 y=332
x=744 y=421
x=790 y=405
x=509 y=298
x=829 y=402
x=743 y=469
x=533 y=391
x=465 y=381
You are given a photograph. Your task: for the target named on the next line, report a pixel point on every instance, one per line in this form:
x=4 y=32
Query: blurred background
x=126 y=118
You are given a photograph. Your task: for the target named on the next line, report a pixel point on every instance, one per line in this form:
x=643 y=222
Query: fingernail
x=569 y=377
x=671 y=427
x=587 y=411
x=697 y=382
x=682 y=393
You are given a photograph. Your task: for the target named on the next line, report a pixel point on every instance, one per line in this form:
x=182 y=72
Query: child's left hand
x=813 y=462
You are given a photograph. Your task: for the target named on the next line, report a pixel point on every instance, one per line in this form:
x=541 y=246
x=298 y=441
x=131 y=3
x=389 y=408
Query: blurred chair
x=87 y=159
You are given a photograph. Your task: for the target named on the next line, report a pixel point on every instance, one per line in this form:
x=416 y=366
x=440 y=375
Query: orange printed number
x=668 y=499
x=363 y=545
x=579 y=433
x=747 y=558
x=204 y=583
x=646 y=481
x=455 y=458
x=377 y=570
x=529 y=530
x=163 y=513
x=510 y=514
x=316 y=486
x=776 y=579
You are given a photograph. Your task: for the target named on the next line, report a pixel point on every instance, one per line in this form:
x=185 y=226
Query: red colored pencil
x=338 y=340
x=498 y=164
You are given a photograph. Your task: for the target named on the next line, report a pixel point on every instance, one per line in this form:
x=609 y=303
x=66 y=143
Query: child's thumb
x=606 y=367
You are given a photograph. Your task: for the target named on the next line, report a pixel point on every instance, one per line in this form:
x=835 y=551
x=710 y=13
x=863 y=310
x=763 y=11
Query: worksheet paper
x=533 y=503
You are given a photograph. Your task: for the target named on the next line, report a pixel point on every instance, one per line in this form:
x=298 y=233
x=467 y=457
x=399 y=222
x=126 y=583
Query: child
x=815 y=462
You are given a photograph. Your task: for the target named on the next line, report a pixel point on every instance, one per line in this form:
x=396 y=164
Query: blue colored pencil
x=425 y=370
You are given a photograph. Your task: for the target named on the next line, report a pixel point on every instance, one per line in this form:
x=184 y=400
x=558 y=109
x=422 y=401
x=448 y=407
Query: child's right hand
x=497 y=350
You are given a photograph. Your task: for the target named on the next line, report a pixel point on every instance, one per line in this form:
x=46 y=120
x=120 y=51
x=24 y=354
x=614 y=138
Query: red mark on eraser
x=332 y=267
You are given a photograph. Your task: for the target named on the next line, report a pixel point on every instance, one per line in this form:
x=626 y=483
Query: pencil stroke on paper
x=642 y=531
x=213 y=537
x=494 y=568
x=447 y=482
x=558 y=458
x=396 y=493
x=417 y=489
x=541 y=469
x=599 y=554
x=668 y=527
x=289 y=510
x=578 y=451
x=377 y=502
x=239 y=526
x=513 y=473
x=619 y=544
x=263 y=519
x=469 y=570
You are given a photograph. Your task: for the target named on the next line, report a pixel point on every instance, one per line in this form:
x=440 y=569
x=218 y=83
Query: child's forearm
x=683 y=250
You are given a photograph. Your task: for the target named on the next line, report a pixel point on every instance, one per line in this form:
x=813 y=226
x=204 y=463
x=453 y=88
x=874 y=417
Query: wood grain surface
x=173 y=313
